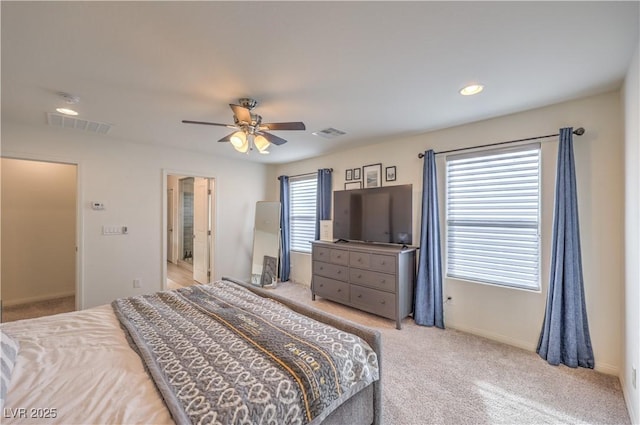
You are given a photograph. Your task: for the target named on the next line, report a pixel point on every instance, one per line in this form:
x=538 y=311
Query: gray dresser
x=370 y=277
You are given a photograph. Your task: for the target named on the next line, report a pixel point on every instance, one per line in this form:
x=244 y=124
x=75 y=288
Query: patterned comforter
x=220 y=354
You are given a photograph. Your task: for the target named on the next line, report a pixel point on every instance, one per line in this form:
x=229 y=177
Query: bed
x=110 y=364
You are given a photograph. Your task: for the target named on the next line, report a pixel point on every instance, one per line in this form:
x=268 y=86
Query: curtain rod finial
x=420 y=155
x=579 y=131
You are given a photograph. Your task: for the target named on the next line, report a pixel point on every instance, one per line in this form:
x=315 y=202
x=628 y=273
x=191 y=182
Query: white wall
x=38 y=231
x=510 y=315
x=631 y=353
x=128 y=178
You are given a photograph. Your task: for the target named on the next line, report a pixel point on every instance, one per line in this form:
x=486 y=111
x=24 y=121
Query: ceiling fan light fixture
x=251 y=131
x=242 y=148
x=240 y=142
x=238 y=139
x=261 y=143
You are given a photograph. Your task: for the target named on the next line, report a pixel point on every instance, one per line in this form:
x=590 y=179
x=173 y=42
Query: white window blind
x=302 y=214
x=493 y=216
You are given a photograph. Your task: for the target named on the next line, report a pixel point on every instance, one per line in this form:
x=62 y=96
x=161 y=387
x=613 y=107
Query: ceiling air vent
x=58 y=120
x=329 y=133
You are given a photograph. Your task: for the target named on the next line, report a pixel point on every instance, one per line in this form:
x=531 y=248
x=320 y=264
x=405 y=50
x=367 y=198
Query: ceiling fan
x=250 y=130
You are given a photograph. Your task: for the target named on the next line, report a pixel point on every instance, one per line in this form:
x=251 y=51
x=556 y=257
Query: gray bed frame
x=365 y=407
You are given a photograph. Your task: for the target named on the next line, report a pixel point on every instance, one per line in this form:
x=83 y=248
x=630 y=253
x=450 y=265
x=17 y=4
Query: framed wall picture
x=372 y=175
x=348 y=175
x=353 y=185
x=390 y=174
x=356 y=173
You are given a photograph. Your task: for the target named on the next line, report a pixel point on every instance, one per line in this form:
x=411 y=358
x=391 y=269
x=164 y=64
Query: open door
x=201 y=230
x=170 y=224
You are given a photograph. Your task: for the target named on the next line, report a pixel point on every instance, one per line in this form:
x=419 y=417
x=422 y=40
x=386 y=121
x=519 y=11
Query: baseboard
x=525 y=345
x=633 y=415
x=38 y=298
x=607 y=369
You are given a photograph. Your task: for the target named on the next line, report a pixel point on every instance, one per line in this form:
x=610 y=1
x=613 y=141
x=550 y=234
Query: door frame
x=79 y=211
x=213 y=245
x=169 y=214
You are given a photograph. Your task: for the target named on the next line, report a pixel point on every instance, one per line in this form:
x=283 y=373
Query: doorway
x=189 y=230
x=39 y=224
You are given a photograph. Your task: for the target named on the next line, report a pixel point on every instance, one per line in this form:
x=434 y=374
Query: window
x=302 y=214
x=493 y=217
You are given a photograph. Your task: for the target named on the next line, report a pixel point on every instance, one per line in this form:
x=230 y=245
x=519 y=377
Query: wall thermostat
x=97 y=205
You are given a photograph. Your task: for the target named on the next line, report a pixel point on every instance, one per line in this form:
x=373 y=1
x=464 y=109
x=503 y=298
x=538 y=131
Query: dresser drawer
x=383 y=263
x=360 y=259
x=339 y=256
x=332 y=289
x=373 y=301
x=321 y=253
x=377 y=280
x=333 y=271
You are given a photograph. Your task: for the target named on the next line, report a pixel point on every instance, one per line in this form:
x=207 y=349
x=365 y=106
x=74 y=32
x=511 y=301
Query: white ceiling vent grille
x=329 y=133
x=59 y=120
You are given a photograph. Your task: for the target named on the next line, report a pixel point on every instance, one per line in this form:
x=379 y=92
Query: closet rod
x=578 y=132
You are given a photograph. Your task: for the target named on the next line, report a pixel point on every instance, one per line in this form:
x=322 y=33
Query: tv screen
x=380 y=214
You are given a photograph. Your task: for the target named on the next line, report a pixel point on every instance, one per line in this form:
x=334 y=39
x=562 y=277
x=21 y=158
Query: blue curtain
x=323 y=198
x=428 y=298
x=565 y=332
x=285 y=231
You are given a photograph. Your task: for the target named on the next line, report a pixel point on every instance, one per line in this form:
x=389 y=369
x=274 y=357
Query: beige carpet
x=432 y=376
x=38 y=309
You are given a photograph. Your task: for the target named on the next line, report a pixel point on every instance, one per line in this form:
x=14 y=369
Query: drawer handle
x=383 y=281
x=359 y=260
x=359 y=295
x=339 y=271
x=359 y=276
x=339 y=290
x=321 y=285
x=383 y=302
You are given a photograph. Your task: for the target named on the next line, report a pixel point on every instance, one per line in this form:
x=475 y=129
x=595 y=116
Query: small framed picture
x=372 y=175
x=390 y=174
x=353 y=185
x=348 y=175
x=356 y=173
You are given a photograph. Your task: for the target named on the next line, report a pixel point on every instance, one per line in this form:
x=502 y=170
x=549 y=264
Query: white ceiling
x=375 y=70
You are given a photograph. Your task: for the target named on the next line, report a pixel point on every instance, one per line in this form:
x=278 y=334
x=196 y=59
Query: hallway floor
x=178 y=277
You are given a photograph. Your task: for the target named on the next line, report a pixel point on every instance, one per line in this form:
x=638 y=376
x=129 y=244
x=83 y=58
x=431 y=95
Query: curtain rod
x=578 y=132
x=307 y=174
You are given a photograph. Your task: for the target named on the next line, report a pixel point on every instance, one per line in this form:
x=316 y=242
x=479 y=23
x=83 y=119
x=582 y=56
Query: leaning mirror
x=266 y=244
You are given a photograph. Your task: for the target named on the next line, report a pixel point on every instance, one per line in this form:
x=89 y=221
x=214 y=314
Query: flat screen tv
x=380 y=214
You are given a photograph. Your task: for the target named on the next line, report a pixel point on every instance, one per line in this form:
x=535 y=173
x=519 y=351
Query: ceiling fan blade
x=207 y=123
x=283 y=126
x=242 y=113
x=273 y=139
x=227 y=138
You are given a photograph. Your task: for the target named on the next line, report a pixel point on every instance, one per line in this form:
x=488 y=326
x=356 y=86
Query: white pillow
x=9 y=351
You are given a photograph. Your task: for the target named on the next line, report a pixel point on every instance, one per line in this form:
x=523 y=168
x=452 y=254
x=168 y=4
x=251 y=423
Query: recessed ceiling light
x=471 y=89
x=67 y=111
